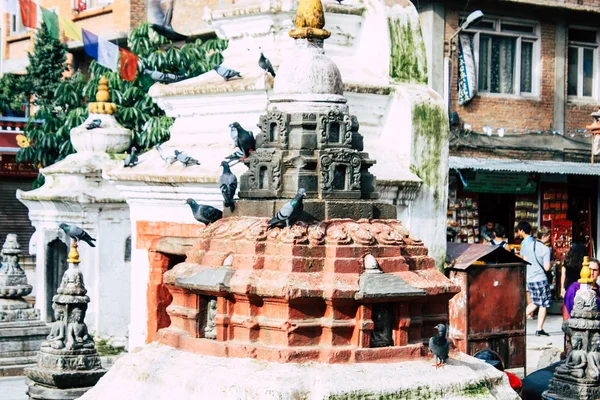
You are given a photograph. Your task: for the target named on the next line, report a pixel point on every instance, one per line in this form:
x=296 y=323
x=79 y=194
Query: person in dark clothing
x=571 y=267
x=499 y=237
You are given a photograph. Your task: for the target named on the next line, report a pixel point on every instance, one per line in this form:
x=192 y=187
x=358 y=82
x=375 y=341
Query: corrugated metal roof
x=463 y=255
x=547 y=167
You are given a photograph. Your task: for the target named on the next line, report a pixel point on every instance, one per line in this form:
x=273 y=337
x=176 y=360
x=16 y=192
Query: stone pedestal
x=75 y=193
x=68 y=364
x=21 y=330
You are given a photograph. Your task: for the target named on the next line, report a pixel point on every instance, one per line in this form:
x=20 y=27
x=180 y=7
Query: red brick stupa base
x=328 y=291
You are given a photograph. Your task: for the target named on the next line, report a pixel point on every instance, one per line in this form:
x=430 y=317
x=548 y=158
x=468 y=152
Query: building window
x=506 y=54
x=16 y=25
x=583 y=51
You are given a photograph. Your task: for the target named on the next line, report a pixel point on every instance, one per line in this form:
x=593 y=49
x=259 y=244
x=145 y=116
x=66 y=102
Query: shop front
x=560 y=195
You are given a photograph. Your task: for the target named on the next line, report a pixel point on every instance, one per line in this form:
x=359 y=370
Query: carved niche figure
x=340 y=170
x=593 y=358
x=210 y=331
x=264 y=171
x=274 y=128
x=576 y=361
x=383 y=329
x=335 y=128
x=56 y=338
x=77 y=333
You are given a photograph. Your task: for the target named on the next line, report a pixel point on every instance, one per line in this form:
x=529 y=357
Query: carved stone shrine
x=68 y=364
x=578 y=377
x=21 y=330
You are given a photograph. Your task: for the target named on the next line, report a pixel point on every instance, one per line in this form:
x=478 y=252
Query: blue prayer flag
x=90 y=44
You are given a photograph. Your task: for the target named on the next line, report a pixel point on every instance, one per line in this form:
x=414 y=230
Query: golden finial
x=102 y=106
x=310 y=20
x=73 y=253
x=585 y=273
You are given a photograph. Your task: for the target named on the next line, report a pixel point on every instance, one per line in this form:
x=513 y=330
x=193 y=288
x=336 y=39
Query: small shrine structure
x=298 y=311
x=21 y=330
x=68 y=364
x=75 y=193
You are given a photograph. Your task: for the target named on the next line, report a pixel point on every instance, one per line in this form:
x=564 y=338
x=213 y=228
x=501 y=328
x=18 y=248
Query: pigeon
x=236 y=156
x=243 y=139
x=167 y=159
x=339 y=1
x=265 y=64
x=228 y=183
x=94 y=124
x=203 y=213
x=290 y=212
x=439 y=346
x=77 y=234
x=132 y=159
x=226 y=73
x=161 y=21
x=163 y=77
x=185 y=159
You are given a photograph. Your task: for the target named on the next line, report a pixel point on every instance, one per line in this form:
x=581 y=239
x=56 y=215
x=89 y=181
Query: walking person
x=538 y=256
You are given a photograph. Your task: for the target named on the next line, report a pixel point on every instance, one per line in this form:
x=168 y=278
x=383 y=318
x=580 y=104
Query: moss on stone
x=408 y=60
x=478 y=390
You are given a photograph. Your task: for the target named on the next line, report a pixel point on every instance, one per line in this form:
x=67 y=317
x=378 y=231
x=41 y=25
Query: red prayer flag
x=28 y=13
x=128 y=65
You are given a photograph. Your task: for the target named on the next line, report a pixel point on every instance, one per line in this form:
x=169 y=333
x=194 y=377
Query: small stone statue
x=382 y=330
x=576 y=361
x=210 y=331
x=77 y=333
x=593 y=358
x=56 y=338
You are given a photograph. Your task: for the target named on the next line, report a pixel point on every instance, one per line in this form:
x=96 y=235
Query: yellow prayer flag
x=71 y=29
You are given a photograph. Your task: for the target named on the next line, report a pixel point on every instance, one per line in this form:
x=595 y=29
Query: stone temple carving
x=68 y=364
x=579 y=376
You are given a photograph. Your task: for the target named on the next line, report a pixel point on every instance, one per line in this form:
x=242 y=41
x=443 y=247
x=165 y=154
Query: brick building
x=520 y=149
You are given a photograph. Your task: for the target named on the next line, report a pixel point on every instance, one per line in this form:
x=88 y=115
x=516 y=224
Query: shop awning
x=542 y=167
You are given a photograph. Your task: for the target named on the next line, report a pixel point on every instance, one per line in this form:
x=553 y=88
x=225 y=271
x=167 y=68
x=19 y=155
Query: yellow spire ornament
x=310 y=20
x=586 y=273
x=73 y=253
x=102 y=106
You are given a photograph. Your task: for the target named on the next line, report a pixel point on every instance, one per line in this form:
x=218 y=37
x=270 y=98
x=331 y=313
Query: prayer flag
x=90 y=44
x=467 y=79
x=51 y=21
x=28 y=13
x=11 y=6
x=108 y=54
x=71 y=29
x=128 y=65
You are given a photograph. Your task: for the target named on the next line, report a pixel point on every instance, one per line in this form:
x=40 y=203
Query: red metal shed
x=489 y=311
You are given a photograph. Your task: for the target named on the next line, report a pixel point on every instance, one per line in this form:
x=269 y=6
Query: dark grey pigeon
x=265 y=64
x=168 y=159
x=243 y=139
x=185 y=159
x=339 y=1
x=132 y=159
x=228 y=184
x=94 y=124
x=161 y=21
x=226 y=73
x=163 y=77
x=78 y=234
x=290 y=212
x=439 y=346
x=203 y=213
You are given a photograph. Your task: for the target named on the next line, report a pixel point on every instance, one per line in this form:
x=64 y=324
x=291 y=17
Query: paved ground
x=538 y=348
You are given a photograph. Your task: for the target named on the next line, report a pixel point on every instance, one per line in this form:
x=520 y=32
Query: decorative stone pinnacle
x=73 y=253
x=310 y=20
x=102 y=106
x=585 y=273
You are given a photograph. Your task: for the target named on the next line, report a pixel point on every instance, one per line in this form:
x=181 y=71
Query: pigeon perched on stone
x=265 y=64
x=339 y=1
x=290 y=212
x=203 y=213
x=161 y=21
x=228 y=184
x=185 y=159
x=163 y=77
x=132 y=159
x=243 y=139
x=78 y=234
x=168 y=159
x=439 y=346
x=236 y=156
x=94 y=124
x=226 y=73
